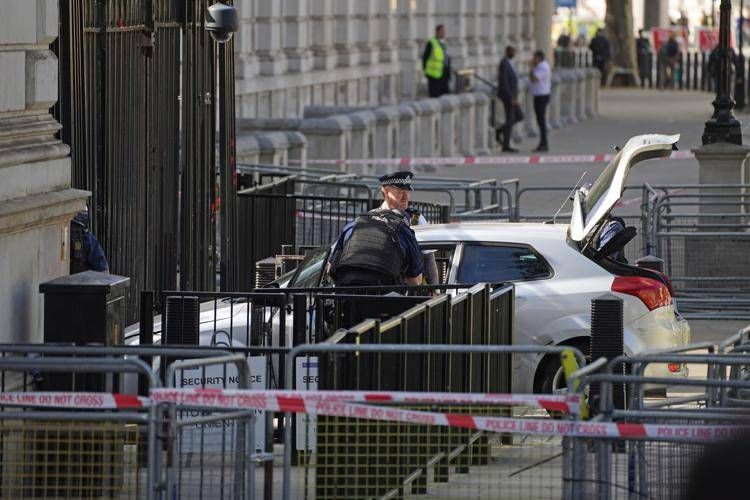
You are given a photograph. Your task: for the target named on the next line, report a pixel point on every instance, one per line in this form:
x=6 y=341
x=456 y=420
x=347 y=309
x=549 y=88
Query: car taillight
x=652 y=293
x=674 y=367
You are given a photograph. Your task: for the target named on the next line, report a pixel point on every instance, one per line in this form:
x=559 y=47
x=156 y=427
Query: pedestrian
x=601 y=53
x=86 y=252
x=379 y=248
x=563 y=41
x=541 y=88
x=672 y=54
x=643 y=49
x=507 y=92
x=436 y=64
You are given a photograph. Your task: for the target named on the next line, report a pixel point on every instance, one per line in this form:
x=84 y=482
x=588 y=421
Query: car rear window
x=498 y=263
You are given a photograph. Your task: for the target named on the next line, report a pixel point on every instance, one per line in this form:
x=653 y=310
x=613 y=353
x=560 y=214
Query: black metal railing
x=480 y=316
x=274 y=215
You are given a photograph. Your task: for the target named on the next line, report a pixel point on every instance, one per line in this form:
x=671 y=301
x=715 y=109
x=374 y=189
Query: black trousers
x=513 y=115
x=436 y=87
x=540 y=109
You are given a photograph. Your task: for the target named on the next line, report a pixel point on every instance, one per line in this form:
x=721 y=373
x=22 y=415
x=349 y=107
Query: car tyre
x=550 y=378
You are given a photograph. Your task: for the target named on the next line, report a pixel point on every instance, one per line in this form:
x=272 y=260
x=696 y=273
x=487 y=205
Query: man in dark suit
x=507 y=92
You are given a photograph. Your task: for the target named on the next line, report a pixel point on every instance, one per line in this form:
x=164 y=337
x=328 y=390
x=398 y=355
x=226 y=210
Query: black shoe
x=541 y=149
x=509 y=150
x=499 y=136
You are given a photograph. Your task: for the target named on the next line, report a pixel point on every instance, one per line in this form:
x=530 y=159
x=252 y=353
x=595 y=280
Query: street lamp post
x=723 y=126
x=222 y=22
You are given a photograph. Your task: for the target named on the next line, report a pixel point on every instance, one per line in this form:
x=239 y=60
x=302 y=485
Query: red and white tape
x=276 y=400
x=316 y=403
x=363 y=405
x=74 y=400
x=483 y=160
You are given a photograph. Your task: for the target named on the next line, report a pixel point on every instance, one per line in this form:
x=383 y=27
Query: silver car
x=557 y=270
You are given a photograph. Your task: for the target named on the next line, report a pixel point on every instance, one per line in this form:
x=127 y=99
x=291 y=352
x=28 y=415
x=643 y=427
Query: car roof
x=491 y=231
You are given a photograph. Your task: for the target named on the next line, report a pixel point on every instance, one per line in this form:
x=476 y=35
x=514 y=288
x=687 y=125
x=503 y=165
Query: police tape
x=255 y=399
x=364 y=405
x=482 y=160
x=74 y=400
x=324 y=403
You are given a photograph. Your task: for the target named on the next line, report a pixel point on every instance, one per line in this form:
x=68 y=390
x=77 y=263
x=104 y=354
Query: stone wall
x=36 y=202
x=295 y=53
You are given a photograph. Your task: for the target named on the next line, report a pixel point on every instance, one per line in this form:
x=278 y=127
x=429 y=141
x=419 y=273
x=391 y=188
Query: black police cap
x=401 y=180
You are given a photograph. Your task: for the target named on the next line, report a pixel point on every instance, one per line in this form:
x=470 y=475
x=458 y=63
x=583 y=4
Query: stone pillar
x=321 y=29
x=327 y=138
x=482 y=124
x=296 y=31
x=527 y=25
x=409 y=55
x=347 y=53
x=501 y=25
x=580 y=83
x=529 y=122
x=268 y=38
x=363 y=124
x=714 y=255
x=274 y=147
x=473 y=31
x=365 y=30
x=248 y=149
x=386 y=130
x=453 y=14
x=655 y=13
x=428 y=125
x=245 y=56
x=449 y=107
x=466 y=123
x=553 y=116
x=36 y=200
x=543 y=12
x=297 y=151
x=407 y=133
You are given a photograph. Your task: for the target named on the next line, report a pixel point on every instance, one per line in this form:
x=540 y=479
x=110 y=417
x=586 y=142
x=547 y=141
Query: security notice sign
x=222 y=377
x=306 y=380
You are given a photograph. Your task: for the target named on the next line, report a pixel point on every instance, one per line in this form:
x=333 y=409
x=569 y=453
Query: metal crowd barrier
x=378 y=441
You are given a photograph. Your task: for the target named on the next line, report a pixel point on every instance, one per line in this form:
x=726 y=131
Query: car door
x=519 y=264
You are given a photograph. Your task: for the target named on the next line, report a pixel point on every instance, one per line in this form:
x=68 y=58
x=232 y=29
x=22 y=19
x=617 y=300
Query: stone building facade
x=36 y=201
x=295 y=53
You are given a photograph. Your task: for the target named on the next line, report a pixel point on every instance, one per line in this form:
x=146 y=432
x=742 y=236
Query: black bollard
x=607 y=340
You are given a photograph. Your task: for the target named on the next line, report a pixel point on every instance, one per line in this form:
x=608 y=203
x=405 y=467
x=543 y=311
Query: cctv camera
x=221 y=22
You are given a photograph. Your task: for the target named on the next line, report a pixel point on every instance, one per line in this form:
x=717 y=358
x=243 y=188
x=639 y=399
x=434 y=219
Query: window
x=496 y=263
x=443 y=258
x=310 y=272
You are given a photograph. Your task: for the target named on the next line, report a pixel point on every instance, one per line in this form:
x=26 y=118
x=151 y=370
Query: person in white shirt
x=541 y=87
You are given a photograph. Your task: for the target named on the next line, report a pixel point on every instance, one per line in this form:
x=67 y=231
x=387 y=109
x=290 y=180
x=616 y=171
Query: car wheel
x=551 y=379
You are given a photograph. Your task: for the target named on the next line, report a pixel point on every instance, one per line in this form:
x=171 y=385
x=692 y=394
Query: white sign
x=306 y=380
x=213 y=435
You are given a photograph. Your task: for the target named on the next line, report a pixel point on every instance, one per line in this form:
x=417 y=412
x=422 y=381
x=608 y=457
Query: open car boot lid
x=591 y=208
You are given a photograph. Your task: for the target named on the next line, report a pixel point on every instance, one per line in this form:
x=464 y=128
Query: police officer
x=85 y=251
x=379 y=248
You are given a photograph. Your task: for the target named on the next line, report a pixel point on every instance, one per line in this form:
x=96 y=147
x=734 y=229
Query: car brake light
x=652 y=293
x=674 y=367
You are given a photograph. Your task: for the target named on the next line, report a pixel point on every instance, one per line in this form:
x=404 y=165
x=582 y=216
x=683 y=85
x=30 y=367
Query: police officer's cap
x=401 y=180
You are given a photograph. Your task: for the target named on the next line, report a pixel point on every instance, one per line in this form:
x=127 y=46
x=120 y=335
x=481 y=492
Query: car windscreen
x=310 y=272
x=501 y=263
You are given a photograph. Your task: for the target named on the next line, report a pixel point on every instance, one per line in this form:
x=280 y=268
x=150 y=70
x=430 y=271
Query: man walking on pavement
x=507 y=92
x=541 y=87
x=379 y=248
x=436 y=64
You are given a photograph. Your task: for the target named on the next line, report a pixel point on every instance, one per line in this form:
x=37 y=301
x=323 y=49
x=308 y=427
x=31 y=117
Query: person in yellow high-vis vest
x=436 y=64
